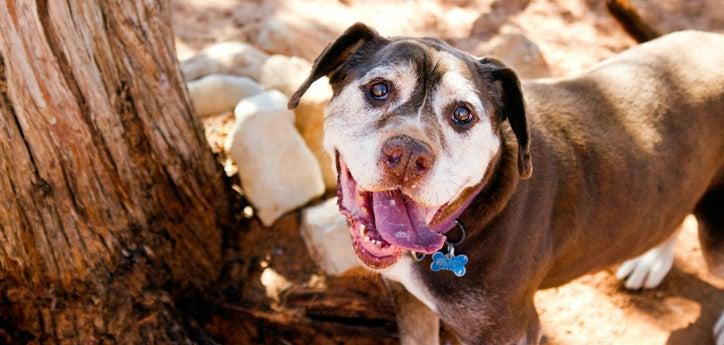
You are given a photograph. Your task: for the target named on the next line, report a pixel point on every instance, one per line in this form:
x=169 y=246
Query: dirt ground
x=274 y=294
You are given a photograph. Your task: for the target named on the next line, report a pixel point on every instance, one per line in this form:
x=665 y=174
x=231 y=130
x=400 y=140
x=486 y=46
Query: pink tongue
x=402 y=228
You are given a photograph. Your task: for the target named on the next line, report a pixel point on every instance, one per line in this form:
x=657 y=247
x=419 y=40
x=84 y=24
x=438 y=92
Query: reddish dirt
x=274 y=294
x=278 y=296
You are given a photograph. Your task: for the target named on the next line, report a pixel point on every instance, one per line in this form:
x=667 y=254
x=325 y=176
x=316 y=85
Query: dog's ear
x=512 y=107
x=334 y=55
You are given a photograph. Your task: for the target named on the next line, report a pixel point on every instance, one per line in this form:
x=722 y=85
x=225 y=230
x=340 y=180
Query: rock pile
x=277 y=152
x=234 y=58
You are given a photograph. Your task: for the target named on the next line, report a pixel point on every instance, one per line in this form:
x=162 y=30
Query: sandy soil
x=273 y=293
x=595 y=309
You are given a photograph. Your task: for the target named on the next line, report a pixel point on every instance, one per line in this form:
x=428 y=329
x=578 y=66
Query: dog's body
x=621 y=154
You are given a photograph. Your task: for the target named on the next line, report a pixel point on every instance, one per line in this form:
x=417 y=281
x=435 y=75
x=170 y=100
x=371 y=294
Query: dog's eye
x=379 y=91
x=462 y=115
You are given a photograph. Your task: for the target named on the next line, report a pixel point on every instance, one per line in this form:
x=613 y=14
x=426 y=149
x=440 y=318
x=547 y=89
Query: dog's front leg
x=417 y=324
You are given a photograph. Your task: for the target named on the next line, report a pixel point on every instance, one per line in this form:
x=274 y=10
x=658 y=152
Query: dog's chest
x=405 y=272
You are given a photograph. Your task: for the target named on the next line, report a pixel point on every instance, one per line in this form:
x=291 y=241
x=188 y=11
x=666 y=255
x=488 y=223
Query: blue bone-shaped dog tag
x=455 y=263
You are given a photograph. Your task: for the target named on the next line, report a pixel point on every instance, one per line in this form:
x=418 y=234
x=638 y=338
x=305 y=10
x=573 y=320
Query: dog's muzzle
x=405 y=159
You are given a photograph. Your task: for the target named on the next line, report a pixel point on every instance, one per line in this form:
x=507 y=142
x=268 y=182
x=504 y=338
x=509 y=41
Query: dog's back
x=637 y=134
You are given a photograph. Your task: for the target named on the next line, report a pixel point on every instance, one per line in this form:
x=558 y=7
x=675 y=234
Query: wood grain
x=110 y=200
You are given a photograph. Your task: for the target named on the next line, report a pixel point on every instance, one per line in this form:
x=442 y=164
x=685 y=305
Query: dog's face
x=414 y=126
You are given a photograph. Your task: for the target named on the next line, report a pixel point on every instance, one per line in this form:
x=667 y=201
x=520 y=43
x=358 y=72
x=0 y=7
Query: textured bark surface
x=110 y=200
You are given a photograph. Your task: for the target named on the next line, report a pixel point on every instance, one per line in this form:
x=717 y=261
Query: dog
x=550 y=179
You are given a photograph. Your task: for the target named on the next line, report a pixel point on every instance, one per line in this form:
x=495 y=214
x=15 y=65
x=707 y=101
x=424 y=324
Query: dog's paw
x=648 y=270
x=719 y=330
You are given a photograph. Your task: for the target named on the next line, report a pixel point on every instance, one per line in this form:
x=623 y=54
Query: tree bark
x=111 y=203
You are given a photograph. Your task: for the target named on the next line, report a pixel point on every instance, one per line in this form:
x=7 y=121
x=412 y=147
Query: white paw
x=719 y=330
x=648 y=270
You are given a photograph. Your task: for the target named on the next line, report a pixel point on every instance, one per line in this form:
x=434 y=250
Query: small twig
x=625 y=13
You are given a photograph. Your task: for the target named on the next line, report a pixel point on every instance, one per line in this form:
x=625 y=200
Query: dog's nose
x=406 y=158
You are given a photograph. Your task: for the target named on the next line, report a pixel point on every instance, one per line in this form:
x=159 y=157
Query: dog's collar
x=448 y=261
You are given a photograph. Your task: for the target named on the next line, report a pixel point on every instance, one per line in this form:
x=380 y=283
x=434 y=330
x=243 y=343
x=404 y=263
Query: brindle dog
x=553 y=179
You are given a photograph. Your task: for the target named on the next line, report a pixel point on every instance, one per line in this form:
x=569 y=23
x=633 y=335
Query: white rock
x=520 y=53
x=295 y=36
x=218 y=93
x=286 y=73
x=278 y=172
x=310 y=123
x=515 y=50
x=325 y=233
x=225 y=58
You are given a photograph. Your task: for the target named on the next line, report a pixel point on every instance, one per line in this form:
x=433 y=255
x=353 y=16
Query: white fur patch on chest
x=403 y=272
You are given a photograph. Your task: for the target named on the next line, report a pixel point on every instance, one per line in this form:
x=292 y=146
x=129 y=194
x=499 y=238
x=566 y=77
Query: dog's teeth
x=362 y=231
x=392 y=203
x=378 y=243
x=367 y=239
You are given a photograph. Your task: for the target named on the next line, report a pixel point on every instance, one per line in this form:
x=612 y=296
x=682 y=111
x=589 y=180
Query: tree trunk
x=111 y=203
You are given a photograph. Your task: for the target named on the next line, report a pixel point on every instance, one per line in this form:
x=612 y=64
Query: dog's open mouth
x=386 y=224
